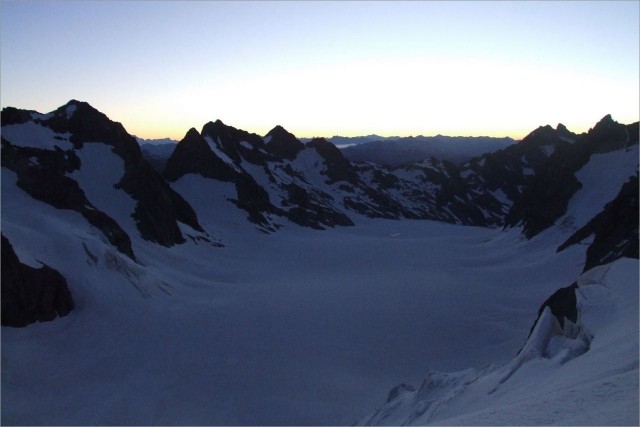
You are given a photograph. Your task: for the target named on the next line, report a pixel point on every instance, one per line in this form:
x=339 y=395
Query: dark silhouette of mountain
x=283 y=144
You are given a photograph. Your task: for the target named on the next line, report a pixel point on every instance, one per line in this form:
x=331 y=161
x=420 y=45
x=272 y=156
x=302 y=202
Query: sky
x=327 y=68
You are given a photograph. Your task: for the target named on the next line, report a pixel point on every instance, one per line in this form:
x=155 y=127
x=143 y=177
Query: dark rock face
x=159 y=207
x=338 y=167
x=45 y=180
x=88 y=125
x=254 y=200
x=432 y=189
x=615 y=229
x=609 y=135
x=545 y=194
x=15 y=116
x=454 y=193
x=283 y=144
x=31 y=294
x=313 y=209
x=538 y=173
x=236 y=143
x=562 y=304
x=193 y=155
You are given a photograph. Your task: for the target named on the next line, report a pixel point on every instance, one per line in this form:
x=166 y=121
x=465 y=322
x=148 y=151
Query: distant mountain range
x=401 y=151
x=387 y=151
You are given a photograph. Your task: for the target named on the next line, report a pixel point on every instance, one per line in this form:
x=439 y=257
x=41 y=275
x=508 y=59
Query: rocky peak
x=193 y=137
x=283 y=144
x=279 y=131
x=542 y=135
x=608 y=135
x=215 y=129
x=158 y=207
x=229 y=140
x=88 y=125
x=565 y=133
x=193 y=155
x=606 y=121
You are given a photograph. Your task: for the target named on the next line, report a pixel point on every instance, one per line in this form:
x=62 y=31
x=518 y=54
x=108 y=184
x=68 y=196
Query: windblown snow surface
x=580 y=374
x=306 y=327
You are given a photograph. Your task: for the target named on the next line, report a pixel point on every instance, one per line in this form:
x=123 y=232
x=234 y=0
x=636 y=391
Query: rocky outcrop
x=159 y=208
x=614 y=230
x=253 y=199
x=312 y=208
x=30 y=294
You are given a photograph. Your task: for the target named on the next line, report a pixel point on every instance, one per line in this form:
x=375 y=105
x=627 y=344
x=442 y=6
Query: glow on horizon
x=327 y=68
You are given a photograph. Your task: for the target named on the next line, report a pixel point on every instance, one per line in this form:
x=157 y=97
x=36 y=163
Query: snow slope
x=601 y=179
x=584 y=374
x=290 y=328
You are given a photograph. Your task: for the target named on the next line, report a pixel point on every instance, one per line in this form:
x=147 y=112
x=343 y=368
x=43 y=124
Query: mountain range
x=401 y=151
x=388 y=151
x=88 y=208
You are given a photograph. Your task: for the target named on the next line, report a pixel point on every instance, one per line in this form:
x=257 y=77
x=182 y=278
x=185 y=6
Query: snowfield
x=296 y=327
x=426 y=321
x=600 y=183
